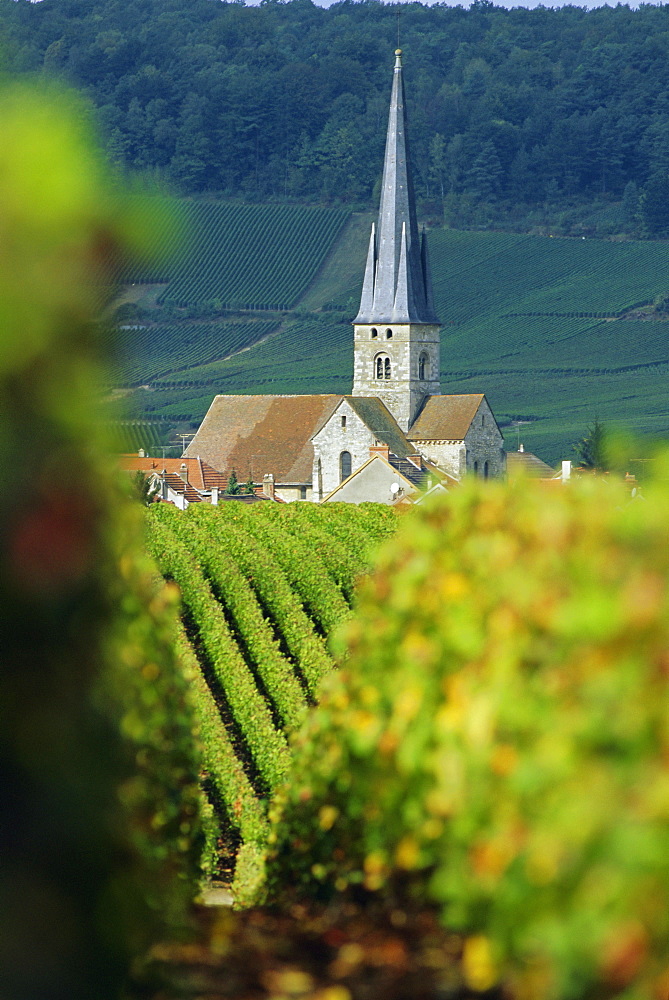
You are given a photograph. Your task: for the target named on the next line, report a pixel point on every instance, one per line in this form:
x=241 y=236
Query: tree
x=144 y=489
x=233 y=488
x=249 y=486
x=483 y=178
x=591 y=449
x=655 y=205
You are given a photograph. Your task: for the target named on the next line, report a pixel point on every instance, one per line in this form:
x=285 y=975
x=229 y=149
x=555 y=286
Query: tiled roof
x=445 y=418
x=200 y=475
x=410 y=471
x=257 y=435
x=177 y=484
x=526 y=464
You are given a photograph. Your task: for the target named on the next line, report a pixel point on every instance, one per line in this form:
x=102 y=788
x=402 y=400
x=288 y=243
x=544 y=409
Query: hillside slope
x=554 y=331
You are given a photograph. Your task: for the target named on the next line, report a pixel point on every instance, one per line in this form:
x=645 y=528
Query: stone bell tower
x=396 y=331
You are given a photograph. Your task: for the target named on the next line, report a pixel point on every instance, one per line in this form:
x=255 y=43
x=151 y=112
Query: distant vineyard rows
x=236 y=256
x=128 y=436
x=530 y=275
x=262 y=587
x=147 y=352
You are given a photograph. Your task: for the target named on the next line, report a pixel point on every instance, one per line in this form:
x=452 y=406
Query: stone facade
x=481 y=452
x=410 y=373
x=344 y=433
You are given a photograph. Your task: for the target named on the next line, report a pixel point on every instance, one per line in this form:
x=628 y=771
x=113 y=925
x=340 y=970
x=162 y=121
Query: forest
x=516 y=115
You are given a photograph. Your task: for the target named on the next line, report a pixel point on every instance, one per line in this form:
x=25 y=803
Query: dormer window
x=389 y=334
x=374 y=332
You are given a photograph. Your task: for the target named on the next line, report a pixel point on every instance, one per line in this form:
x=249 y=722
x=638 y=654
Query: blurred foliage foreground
x=99 y=828
x=496 y=744
x=495 y=747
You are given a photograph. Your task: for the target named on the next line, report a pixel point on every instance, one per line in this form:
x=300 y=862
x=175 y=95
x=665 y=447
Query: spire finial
x=398 y=59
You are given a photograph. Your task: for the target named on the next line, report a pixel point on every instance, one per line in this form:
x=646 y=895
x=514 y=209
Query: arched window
x=344 y=465
x=374 y=333
x=476 y=468
x=389 y=334
x=382 y=366
x=485 y=471
x=422 y=362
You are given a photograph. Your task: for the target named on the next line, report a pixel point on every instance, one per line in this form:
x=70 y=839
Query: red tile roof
x=200 y=474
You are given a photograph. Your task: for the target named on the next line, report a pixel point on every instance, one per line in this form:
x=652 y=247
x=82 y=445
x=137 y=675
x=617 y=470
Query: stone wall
x=404 y=392
x=344 y=431
x=483 y=443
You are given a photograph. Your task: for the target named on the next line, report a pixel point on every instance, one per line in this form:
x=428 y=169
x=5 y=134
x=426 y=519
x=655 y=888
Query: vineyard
x=130 y=435
x=236 y=256
x=149 y=352
x=262 y=587
x=536 y=323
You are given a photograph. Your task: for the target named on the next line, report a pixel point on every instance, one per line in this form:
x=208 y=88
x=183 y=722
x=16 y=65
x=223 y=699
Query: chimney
x=380 y=449
x=566 y=470
x=183 y=472
x=214 y=495
x=416 y=459
x=141 y=453
x=268 y=485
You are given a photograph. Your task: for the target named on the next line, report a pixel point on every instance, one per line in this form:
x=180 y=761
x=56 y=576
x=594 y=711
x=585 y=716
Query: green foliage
x=496 y=741
x=655 y=204
x=267 y=746
x=256 y=618
x=100 y=813
x=591 y=450
x=282 y=101
x=142 y=488
x=233 y=488
x=239 y=256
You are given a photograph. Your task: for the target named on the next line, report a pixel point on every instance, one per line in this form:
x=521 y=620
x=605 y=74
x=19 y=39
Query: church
x=307 y=446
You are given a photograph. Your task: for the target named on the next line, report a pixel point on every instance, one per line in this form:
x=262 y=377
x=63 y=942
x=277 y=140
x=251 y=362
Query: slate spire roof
x=397 y=286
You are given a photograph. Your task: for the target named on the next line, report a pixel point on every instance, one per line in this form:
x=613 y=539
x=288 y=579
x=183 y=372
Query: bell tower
x=396 y=331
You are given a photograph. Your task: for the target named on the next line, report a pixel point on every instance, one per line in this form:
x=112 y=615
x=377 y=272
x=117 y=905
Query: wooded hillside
x=515 y=115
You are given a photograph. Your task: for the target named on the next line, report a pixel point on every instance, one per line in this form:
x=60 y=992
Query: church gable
x=341 y=445
x=460 y=435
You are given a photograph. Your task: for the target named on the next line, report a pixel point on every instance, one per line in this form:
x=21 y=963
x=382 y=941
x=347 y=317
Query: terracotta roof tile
x=256 y=435
x=445 y=418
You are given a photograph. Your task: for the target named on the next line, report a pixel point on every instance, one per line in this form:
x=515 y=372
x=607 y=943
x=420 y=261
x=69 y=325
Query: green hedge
x=497 y=742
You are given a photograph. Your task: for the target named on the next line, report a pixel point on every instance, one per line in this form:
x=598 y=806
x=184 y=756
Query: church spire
x=396 y=288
